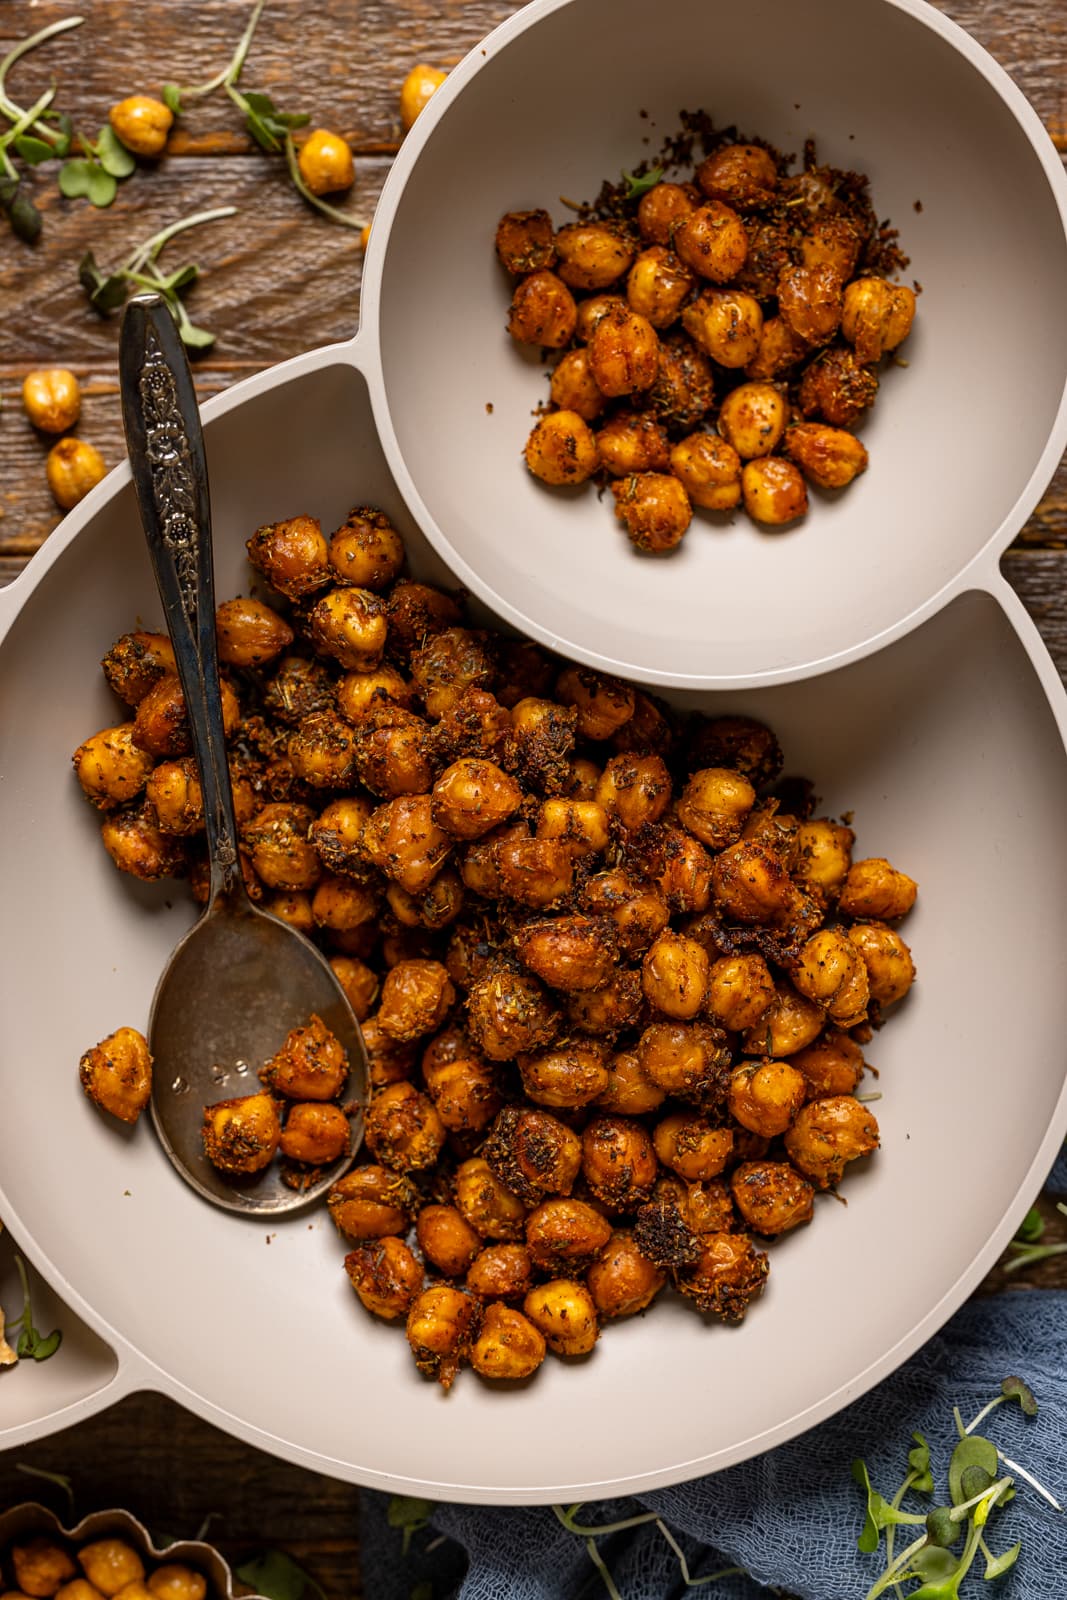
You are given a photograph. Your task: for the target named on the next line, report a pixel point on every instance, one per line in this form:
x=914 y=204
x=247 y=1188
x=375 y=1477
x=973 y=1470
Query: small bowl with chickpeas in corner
x=679 y=379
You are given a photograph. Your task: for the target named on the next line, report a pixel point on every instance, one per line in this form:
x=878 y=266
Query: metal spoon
x=240 y=979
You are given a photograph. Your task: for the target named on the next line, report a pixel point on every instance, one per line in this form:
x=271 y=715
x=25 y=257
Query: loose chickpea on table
x=728 y=339
x=615 y=995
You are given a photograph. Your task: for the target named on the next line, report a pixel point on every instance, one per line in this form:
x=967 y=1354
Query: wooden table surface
x=279 y=280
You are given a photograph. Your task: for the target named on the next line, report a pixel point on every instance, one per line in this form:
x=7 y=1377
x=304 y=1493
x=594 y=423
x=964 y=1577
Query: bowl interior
x=954 y=438
x=946 y=749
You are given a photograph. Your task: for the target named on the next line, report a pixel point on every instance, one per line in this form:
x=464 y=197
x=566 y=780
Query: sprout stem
x=344 y=217
x=152 y=247
x=7 y=105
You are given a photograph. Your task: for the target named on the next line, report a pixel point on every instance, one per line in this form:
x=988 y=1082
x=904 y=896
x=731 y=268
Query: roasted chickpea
x=833 y=1065
x=688 y=1143
x=685 y=878
x=282 y=854
x=654 y=509
x=341 y=904
x=298 y=687
x=385 y=1275
x=831 y=971
x=446 y=1239
x=773 y=491
x=142 y=123
x=582 y=825
x=325 y=162
x=828 y=1134
x=402 y=1129
x=837 y=388
x=440 y=1326
x=465 y=1092
x=877 y=316
x=175 y=1581
x=416 y=612
x=726 y=324
x=658 y=286
x=662 y=208
x=322 y=750
x=823 y=856
x=739 y=742
x=350 y=625
x=110 y=767
x=632 y=442
x=828 y=457
x=711 y=241
x=508 y=1345
x=565 y=1235
x=688 y=1059
x=607 y=1010
x=542 y=311
x=136 y=845
x=535 y=872
x=392 y=752
x=810 y=301
x=765 y=1096
x=471 y=797
x=623 y=1281
x=448 y=666
x=637 y=910
x=490 y=1207
x=674 y=975
x=525 y=241
x=136 y=662
x=82 y=1589
x=634 y=789
x=618 y=1162
x=311 y=1064
x=241 y=1135
x=161 y=726
x=416 y=998
x=51 y=398
x=509 y=1013
x=116 y=1074
x=741 y=175
x=624 y=353
x=873 y=888
x=111 y=1564
x=708 y=1206
x=316 y=1134
x=366 y=549
x=501 y=1272
x=73 y=467
x=685 y=383
x=752 y=418
x=890 y=969
x=726 y=1277
x=372 y=1202
x=543 y=737
x=831 y=242
x=573 y=388
x=421 y=83
x=592 y=255
x=402 y=840
x=591 y=313
x=740 y=991
x=709 y=470
x=790 y=1023
x=389 y=1061
x=563 y=1311
x=780 y=348
x=250 y=633
x=41 y=1565
x=291 y=555
x=570 y=1075
x=568 y=953
x=630 y=1092
x=533 y=1153
x=714 y=805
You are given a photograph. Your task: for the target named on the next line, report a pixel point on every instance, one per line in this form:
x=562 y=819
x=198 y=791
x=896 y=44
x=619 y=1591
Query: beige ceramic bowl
x=948 y=745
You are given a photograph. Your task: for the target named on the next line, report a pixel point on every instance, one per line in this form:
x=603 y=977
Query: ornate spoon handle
x=166 y=446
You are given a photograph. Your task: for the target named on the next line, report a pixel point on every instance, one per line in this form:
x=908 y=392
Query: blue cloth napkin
x=789 y=1518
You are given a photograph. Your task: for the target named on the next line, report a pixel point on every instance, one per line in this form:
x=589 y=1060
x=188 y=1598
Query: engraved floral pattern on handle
x=173 y=483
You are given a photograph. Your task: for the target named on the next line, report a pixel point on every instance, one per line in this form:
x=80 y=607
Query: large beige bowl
x=949 y=748
x=962 y=442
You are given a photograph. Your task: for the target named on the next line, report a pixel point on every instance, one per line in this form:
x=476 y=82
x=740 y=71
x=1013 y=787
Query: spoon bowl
x=240 y=979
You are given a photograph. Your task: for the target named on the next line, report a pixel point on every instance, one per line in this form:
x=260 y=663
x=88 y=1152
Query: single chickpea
x=315 y=1134
x=466 y=1092
x=623 y=1281
x=416 y=998
x=828 y=457
x=592 y=312
x=137 y=845
x=658 y=286
x=51 y=398
x=525 y=242
x=322 y=750
x=780 y=348
x=654 y=509
x=740 y=991
x=636 y=790
x=402 y=840
x=689 y=1145
x=831 y=971
x=837 y=387
x=630 y=1092
x=570 y=953
x=250 y=633
x=325 y=162
x=509 y=1014
x=790 y=1023
x=638 y=911
x=508 y=1345
x=359 y=693
x=73 y=468
x=386 y=1276
x=618 y=1162
x=714 y=805
x=490 y=1207
x=685 y=383
x=827 y=1135
x=632 y=441
x=726 y=324
x=687 y=1059
x=823 y=856
x=291 y=555
x=420 y=84
x=773 y=491
x=110 y=767
x=709 y=471
x=771 y=1196
x=136 y=662
x=569 y=1076
x=501 y=1272
x=542 y=311
x=142 y=123
x=564 y=1235
x=472 y=797
x=712 y=242
x=877 y=316
x=573 y=387
x=350 y=625
x=624 y=353
x=831 y=242
x=752 y=418
x=116 y=1074
x=603 y=704
x=662 y=208
x=765 y=1096
x=580 y=824
x=402 y=1128
x=294 y=908
x=533 y=1153
x=341 y=904
x=810 y=301
x=41 y=1565
x=674 y=975
x=564 y=1313
x=741 y=175
x=685 y=881
x=282 y=854
x=366 y=549
x=535 y=872
x=561 y=449
x=371 y=1202
x=447 y=1239
x=175 y=1581
x=833 y=1065
x=873 y=888
x=606 y=1011
x=890 y=969
x=592 y=255
x=241 y=1135
x=726 y=1277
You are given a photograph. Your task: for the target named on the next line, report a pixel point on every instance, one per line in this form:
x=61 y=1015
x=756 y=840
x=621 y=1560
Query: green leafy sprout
x=976 y=1488
x=30 y=1344
x=1026 y=1248
x=591 y=1532
x=107 y=290
x=637 y=186
x=277 y=1576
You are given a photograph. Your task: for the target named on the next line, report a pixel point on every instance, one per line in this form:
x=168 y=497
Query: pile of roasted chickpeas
x=614 y=977
x=42 y=1567
x=718 y=338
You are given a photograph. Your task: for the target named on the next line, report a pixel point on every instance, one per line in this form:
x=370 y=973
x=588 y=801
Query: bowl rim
x=368 y=345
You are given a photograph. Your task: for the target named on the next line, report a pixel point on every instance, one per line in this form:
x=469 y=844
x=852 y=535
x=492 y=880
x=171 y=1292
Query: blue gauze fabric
x=791 y=1517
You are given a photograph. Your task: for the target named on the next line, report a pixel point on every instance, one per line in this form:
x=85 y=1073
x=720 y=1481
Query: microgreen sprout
x=637 y=186
x=60 y=1479
x=591 y=1532
x=97 y=172
x=108 y=290
x=31 y=1344
x=35 y=135
x=1026 y=1248
x=277 y=1576
x=409 y=1513
x=976 y=1488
